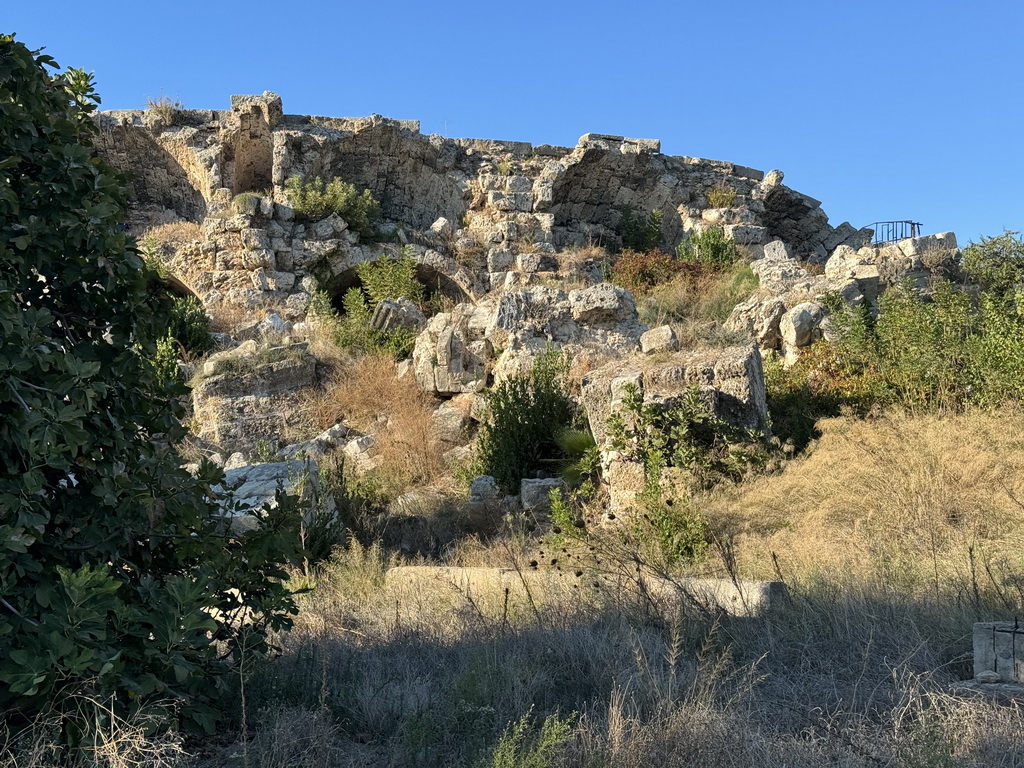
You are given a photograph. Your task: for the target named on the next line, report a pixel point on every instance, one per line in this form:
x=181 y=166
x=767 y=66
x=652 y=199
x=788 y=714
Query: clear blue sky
x=905 y=109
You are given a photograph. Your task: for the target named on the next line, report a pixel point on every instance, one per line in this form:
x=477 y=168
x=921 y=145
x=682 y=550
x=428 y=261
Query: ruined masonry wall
x=190 y=164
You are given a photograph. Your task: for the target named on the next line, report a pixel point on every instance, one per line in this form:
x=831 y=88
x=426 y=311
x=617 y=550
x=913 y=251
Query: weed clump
x=526 y=414
x=640 y=231
x=318 y=199
x=710 y=247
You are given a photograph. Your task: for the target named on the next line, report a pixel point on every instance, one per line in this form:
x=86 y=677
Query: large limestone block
x=758 y=317
x=450 y=355
x=734 y=378
x=999 y=651
x=494 y=589
x=660 y=339
x=256 y=485
x=798 y=327
x=602 y=303
x=778 y=270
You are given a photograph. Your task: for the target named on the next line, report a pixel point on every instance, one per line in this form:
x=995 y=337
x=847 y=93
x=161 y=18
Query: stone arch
x=438 y=274
x=179 y=288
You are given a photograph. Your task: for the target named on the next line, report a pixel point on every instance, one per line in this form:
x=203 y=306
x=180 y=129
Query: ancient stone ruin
x=503 y=232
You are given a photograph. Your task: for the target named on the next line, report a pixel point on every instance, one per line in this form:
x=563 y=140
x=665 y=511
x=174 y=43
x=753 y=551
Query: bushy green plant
x=524 y=745
x=189 y=325
x=681 y=435
x=641 y=272
x=525 y=413
x=391 y=279
x=996 y=263
x=640 y=231
x=942 y=351
x=118 y=580
x=381 y=279
x=684 y=433
x=165 y=361
x=317 y=199
x=709 y=247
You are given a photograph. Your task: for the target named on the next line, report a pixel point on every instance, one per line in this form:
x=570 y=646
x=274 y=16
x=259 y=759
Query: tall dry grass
x=385 y=674
x=857 y=668
x=367 y=394
x=697 y=303
x=923 y=502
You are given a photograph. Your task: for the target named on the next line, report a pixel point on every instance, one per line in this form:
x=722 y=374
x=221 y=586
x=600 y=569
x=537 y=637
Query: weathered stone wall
x=511 y=201
x=162 y=169
x=410 y=174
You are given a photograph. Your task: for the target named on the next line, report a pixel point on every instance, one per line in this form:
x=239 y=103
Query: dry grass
x=368 y=395
x=854 y=670
x=382 y=674
x=226 y=317
x=696 y=305
x=175 y=235
x=914 y=500
x=115 y=742
x=857 y=668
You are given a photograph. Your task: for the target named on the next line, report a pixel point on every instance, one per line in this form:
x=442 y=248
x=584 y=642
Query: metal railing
x=891 y=231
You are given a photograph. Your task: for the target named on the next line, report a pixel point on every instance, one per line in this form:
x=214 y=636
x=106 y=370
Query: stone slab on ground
x=499 y=586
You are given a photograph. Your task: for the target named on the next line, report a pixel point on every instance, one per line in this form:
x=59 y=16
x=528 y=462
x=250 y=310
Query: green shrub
x=123 y=597
x=684 y=433
x=680 y=435
x=709 y=247
x=523 y=745
x=641 y=272
x=941 y=352
x=583 y=455
x=165 y=361
x=381 y=279
x=640 y=231
x=525 y=414
x=316 y=200
x=996 y=263
x=190 y=325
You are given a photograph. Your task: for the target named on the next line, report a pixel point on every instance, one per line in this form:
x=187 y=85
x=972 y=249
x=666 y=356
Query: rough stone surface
x=799 y=326
x=243 y=398
x=535 y=495
x=660 y=339
x=999 y=651
x=734 y=375
x=254 y=252
x=451 y=354
x=326 y=442
x=394 y=314
x=484 y=488
x=759 y=318
x=255 y=485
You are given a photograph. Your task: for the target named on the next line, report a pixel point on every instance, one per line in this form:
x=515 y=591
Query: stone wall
x=471 y=206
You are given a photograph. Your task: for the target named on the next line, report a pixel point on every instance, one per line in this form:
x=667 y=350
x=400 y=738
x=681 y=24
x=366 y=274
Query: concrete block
x=999 y=648
x=498 y=587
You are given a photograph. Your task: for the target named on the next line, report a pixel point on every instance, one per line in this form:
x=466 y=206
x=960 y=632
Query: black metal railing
x=891 y=231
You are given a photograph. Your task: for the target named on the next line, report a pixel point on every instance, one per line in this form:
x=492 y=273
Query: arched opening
x=439 y=290
x=176 y=288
